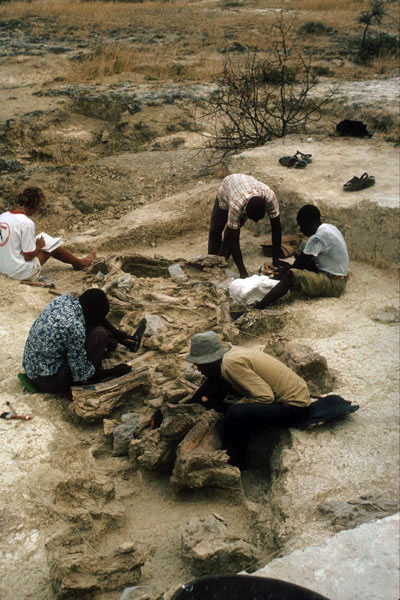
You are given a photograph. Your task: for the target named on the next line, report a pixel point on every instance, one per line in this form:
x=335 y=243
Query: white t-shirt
x=17 y=235
x=330 y=250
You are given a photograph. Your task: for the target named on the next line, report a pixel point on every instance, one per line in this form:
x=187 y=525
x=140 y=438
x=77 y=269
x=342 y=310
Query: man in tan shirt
x=265 y=392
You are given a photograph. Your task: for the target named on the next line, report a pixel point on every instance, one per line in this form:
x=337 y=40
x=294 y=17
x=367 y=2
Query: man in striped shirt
x=241 y=197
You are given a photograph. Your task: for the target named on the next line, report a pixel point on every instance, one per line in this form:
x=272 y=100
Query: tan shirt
x=262 y=378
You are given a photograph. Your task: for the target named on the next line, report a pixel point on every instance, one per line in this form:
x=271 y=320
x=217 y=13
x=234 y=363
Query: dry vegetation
x=188 y=41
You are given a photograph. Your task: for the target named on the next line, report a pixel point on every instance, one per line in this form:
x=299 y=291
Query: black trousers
x=242 y=419
x=219 y=218
x=99 y=340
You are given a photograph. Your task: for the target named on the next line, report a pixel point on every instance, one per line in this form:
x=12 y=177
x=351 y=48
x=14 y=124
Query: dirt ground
x=157 y=203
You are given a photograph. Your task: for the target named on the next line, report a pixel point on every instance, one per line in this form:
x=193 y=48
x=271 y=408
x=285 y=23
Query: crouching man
x=251 y=388
x=69 y=340
x=321 y=269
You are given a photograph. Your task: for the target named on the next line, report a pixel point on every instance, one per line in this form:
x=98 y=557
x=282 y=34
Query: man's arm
x=304 y=261
x=81 y=368
x=276 y=233
x=28 y=256
x=231 y=247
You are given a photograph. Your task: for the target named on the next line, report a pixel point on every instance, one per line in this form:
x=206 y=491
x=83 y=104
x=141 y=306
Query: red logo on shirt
x=4 y=233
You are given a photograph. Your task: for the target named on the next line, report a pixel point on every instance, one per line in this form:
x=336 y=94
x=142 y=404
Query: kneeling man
x=251 y=387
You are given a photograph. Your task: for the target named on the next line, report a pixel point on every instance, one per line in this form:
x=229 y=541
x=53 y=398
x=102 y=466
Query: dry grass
x=150 y=64
x=188 y=37
x=178 y=16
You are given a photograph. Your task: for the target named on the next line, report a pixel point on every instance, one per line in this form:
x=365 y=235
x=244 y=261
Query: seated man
x=322 y=267
x=21 y=253
x=68 y=342
x=240 y=197
x=270 y=394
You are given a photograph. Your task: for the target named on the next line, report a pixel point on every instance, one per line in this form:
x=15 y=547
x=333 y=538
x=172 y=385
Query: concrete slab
x=357 y=564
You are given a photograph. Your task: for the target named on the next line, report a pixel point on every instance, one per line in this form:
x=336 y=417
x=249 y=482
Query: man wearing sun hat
x=251 y=387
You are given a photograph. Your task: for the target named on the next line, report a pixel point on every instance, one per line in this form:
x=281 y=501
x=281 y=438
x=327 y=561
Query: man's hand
x=40 y=243
x=258 y=305
x=132 y=342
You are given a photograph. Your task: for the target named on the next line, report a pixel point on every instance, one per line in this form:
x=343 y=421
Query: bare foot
x=86 y=261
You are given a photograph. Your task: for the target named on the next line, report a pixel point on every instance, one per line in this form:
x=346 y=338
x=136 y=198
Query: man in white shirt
x=322 y=267
x=22 y=254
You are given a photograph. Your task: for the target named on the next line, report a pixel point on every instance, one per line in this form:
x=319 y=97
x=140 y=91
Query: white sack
x=252 y=289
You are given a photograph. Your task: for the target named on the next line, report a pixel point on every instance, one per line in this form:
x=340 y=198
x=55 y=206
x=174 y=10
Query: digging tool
x=11 y=414
x=38 y=284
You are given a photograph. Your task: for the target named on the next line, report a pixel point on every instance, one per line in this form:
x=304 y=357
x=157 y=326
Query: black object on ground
x=243 y=587
x=327 y=409
x=297 y=161
x=359 y=183
x=292 y=162
x=351 y=128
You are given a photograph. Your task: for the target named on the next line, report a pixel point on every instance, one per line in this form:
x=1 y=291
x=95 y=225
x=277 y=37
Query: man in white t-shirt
x=22 y=254
x=322 y=267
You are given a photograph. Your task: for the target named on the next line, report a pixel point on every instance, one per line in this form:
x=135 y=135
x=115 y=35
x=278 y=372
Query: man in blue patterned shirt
x=68 y=341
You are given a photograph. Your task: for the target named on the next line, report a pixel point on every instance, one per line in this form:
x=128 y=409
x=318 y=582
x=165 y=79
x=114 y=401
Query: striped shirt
x=234 y=193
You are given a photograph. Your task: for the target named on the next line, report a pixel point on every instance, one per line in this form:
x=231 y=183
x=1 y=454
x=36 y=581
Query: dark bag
x=352 y=128
x=326 y=409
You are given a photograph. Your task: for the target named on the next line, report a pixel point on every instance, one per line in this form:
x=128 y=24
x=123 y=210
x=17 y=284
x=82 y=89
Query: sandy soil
x=166 y=211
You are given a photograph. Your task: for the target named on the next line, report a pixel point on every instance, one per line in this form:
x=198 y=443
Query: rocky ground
x=124 y=174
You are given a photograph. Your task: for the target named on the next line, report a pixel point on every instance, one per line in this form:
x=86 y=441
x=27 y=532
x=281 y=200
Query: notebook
x=51 y=242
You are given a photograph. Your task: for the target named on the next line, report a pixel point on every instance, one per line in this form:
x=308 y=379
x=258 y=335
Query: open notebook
x=51 y=242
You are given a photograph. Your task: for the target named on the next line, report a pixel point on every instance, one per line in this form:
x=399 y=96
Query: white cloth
x=251 y=289
x=17 y=235
x=330 y=250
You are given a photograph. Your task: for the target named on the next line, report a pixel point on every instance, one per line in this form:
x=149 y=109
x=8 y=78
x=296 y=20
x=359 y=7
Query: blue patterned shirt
x=58 y=335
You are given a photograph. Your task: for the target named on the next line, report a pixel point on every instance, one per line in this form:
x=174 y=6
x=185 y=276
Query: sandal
x=288 y=161
x=306 y=157
x=359 y=183
x=300 y=164
x=293 y=162
x=27 y=383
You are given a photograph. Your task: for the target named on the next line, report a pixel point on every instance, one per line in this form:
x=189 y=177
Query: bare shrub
x=260 y=98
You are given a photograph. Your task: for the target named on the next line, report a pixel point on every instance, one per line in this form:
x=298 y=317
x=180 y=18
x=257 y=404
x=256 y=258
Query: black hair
x=31 y=197
x=256 y=208
x=308 y=214
x=95 y=306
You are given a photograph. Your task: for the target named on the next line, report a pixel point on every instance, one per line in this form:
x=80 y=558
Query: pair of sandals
x=297 y=161
x=359 y=183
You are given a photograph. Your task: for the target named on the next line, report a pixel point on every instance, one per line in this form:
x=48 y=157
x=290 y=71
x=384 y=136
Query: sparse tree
x=371 y=17
x=264 y=96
